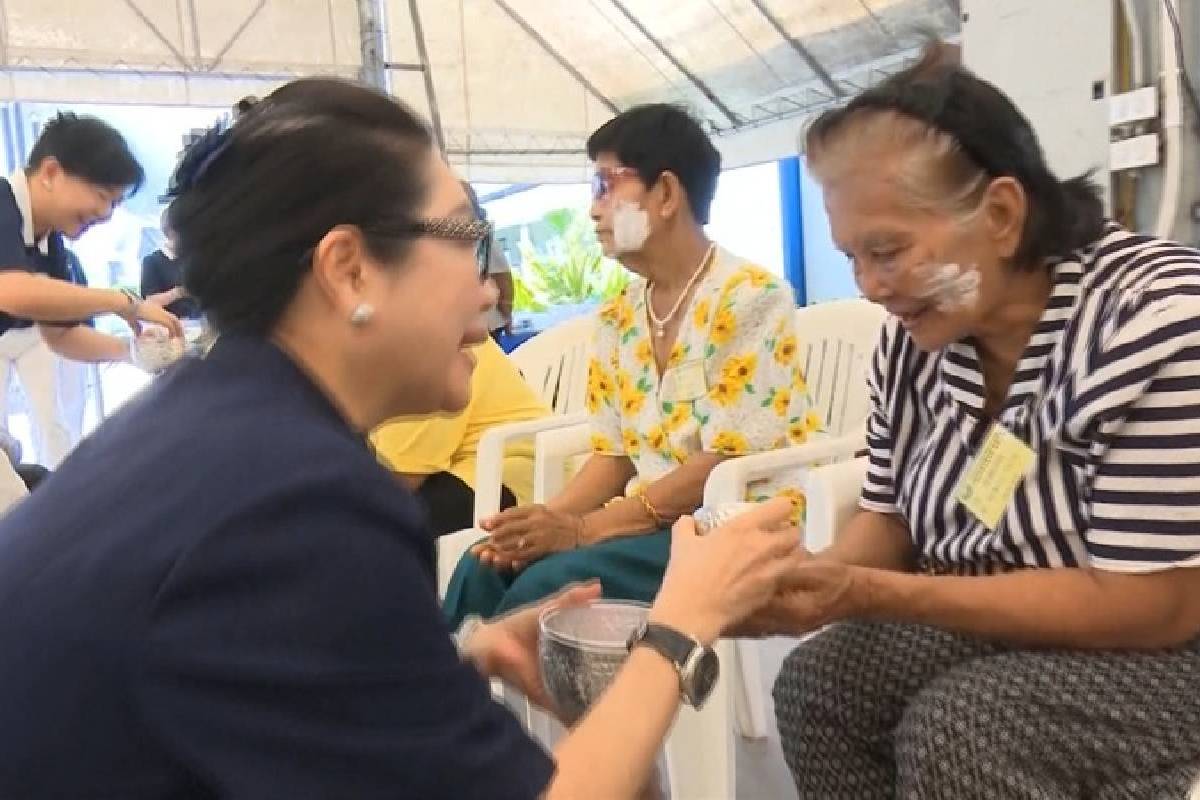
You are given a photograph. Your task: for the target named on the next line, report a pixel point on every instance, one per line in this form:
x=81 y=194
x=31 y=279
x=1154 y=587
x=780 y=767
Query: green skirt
x=628 y=567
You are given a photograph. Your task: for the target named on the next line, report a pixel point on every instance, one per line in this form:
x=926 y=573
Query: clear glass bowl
x=582 y=649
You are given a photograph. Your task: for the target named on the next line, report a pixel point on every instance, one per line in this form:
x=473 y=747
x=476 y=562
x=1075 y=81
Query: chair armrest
x=450 y=550
x=552 y=450
x=728 y=481
x=490 y=459
x=832 y=492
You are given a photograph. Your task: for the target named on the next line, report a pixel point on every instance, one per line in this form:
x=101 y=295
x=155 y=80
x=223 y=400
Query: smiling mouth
x=474 y=336
x=912 y=316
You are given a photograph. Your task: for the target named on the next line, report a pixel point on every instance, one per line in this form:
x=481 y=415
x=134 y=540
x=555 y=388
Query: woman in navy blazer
x=257 y=619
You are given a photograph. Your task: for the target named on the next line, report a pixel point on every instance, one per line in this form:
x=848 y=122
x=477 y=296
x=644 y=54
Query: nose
x=490 y=295
x=872 y=288
x=596 y=211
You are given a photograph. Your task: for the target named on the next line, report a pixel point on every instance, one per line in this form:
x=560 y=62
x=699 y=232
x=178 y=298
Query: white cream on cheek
x=631 y=227
x=950 y=287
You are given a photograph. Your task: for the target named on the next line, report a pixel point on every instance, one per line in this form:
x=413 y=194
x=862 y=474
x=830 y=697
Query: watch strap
x=675 y=646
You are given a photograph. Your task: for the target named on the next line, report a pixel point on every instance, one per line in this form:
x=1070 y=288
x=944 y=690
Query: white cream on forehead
x=950 y=286
x=631 y=227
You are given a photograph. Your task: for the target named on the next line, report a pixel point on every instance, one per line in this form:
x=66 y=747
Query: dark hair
x=658 y=138
x=253 y=199
x=993 y=136
x=473 y=198
x=245 y=104
x=89 y=149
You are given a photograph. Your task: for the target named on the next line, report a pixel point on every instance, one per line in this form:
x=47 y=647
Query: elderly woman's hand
x=525 y=534
x=812 y=593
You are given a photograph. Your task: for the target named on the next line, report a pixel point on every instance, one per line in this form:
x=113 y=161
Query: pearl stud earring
x=362 y=314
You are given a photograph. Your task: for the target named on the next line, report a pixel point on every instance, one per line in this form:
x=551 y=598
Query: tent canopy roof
x=514 y=86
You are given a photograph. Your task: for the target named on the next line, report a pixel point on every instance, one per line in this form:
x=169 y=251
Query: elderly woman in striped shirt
x=1016 y=603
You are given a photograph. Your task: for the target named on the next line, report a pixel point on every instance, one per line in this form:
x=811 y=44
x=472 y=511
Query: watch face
x=698 y=685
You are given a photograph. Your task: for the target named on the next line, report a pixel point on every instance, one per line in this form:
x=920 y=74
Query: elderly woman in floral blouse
x=695 y=362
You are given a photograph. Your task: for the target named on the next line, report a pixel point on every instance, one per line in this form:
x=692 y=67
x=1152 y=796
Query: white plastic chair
x=836 y=340
x=555 y=364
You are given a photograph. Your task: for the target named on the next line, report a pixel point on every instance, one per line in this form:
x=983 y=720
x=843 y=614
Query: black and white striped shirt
x=1107 y=394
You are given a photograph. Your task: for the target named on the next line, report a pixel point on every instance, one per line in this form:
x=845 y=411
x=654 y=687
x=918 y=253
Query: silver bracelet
x=462 y=636
x=135 y=299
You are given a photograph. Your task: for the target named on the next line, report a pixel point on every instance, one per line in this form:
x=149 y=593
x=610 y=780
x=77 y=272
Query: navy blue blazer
x=222 y=594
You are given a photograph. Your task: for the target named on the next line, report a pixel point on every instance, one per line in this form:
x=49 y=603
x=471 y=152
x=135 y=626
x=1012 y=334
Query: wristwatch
x=697 y=665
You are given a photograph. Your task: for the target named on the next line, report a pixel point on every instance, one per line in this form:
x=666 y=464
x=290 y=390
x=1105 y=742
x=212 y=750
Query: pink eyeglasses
x=604 y=178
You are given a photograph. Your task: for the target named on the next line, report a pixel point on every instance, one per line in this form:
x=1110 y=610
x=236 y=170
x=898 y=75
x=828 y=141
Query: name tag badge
x=992 y=478
x=684 y=383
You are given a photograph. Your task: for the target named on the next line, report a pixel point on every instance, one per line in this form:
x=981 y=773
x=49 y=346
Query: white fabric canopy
x=514 y=85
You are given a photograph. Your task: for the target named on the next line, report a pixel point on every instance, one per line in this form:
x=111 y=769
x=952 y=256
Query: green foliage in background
x=570 y=271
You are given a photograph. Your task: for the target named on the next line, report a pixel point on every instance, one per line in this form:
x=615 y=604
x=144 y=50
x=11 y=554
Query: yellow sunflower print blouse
x=733 y=385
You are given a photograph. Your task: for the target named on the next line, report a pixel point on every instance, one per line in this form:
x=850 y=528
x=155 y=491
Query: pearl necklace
x=660 y=325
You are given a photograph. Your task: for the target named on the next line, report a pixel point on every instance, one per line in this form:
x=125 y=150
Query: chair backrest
x=836 y=341
x=555 y=363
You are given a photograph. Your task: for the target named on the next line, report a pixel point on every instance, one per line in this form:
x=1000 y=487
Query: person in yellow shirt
x=436 y=455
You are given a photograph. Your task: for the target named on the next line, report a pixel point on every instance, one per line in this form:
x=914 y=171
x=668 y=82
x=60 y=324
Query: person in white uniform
x=79 y=170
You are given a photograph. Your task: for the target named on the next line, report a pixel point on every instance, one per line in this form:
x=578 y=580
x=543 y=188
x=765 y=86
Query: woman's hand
x=507 y=648
x=716 y=581
x=135 y=313
x=488 y=556
x=812 y=593
x=525 y=534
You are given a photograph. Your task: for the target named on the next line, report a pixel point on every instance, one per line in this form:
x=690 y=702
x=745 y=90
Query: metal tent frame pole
x=557 y=56
x=372 y=43
x=692 y=77
x=435 y=115
x=816 y=66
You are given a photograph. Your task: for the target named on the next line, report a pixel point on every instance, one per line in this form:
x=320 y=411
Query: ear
x=339 y=269
x=674 y=198
x=48 y=170
x=1005 y=208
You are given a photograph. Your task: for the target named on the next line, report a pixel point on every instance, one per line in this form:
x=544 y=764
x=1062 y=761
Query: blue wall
x=791 y=201
x=827 y=273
